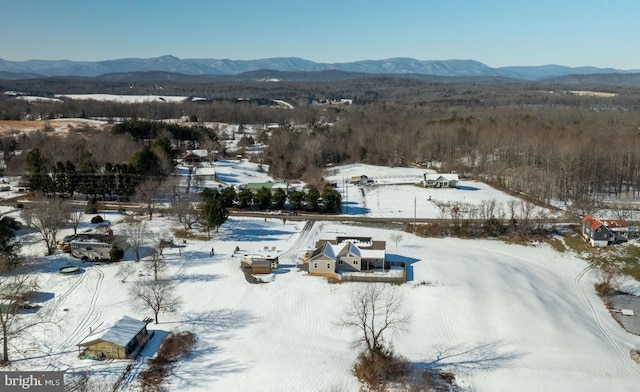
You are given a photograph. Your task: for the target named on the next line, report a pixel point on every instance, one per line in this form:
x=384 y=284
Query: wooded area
x=538 y=139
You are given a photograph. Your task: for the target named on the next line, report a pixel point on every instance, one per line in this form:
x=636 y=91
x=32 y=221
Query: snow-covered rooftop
x=119 y=332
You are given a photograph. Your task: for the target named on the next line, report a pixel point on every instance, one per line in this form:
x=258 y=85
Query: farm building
x=121 y=339
x=259 y=264
x=95 y=247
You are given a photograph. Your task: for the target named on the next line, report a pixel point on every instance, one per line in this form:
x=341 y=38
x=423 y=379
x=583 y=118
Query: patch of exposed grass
x=625 y=258
x=576 y=243
x=187 y=234
x=556 y=244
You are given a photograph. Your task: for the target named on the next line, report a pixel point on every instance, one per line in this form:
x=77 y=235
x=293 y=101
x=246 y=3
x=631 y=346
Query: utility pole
x=346 y=195
x=414 y=214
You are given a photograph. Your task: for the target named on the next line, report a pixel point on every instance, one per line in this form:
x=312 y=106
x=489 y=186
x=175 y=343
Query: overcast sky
x=496 y=32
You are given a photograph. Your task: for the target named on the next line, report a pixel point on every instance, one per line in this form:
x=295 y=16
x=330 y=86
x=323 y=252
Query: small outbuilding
x=121 y=339
x=259 y=264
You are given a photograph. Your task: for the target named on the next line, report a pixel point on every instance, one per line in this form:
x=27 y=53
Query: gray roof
x=325 y=249
x=119 y=332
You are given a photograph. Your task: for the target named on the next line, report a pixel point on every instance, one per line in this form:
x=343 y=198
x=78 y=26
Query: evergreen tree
x=9 y=245
x=331 y=200
x=279 y=198
x=228 y=196
x=296 y=198
x=245 y=197
x=213 y=213
x=37 y=175
x=312 y=198
x=262 y=198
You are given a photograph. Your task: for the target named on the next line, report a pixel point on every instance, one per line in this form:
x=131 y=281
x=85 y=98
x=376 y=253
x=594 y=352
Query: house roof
x=195 y=154
x=268 y=185
x=96 y=238
x=260 y=185
x=615 y=223
x=441 y=177
x=373 y=253
x=349 y=247
x=119 y=332
x=595 y=223
x=325 y=249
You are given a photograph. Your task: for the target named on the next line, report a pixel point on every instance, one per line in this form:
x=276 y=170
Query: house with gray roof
x=120 y=339
x=347 y=254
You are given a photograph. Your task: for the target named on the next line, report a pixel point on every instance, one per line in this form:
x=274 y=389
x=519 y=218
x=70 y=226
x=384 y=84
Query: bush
x=116 y=254
x=91 y=207
x=97 y=219
x=175 y=345
x=379 y=367
x=12 y=222
x=603 y=288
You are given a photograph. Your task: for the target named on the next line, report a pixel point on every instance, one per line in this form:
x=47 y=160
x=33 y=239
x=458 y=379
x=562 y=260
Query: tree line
x=539 y=140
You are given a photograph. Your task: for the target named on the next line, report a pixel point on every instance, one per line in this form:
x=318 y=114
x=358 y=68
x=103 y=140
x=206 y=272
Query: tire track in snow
x=88 y=320
x=290 y=254
x=131 y=375
x=188 y=261
x=62 y=297
x=623 y=354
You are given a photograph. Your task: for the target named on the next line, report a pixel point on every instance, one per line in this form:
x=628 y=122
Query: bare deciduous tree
x=374 y=311
x=146 y=194
x=47 y=216
x=396 y=238
x=136 y=233
x=159 y=295
x=186 y=211
x=15 y=290
x=157 y=264
x=75 y=217
x=623 y=211
x=489 y=209
x=124 y=270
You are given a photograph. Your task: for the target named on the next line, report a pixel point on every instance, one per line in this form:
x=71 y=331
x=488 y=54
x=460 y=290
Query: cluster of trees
x=65 y=178
x=16 y=289
x=547 y=153
x=519 y=136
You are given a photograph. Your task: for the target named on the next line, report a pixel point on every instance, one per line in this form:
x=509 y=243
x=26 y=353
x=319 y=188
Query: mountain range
x=400 y=65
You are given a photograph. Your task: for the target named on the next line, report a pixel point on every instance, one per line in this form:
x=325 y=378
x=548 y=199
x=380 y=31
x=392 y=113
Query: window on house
x=355 y=261
x=328 y=265
x=315 y=265
x=340 y=261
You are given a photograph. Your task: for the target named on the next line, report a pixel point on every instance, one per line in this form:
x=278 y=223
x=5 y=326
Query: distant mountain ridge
x=398 y=65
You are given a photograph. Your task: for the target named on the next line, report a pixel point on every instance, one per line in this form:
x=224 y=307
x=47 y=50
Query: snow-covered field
x=502 y=317
x=395 y=193
x=125 y=98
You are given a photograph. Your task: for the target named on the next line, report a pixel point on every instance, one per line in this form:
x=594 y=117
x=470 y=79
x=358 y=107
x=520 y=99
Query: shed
x=259 y=264
x=117 y=340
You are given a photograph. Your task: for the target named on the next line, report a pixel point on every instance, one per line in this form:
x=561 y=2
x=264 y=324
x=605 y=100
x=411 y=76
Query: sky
x=495 y=32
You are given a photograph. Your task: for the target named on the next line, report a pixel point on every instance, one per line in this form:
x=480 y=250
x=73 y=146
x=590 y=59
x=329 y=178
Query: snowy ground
x=125 y=98
x=502 y=317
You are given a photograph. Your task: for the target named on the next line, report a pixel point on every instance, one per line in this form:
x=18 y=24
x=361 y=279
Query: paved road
x=370 y=219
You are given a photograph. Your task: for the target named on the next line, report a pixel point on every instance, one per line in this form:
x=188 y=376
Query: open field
x=60 y=126
x=502 y=317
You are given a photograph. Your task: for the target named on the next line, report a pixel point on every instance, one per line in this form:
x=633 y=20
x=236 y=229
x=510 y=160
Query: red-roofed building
x=603 y=232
